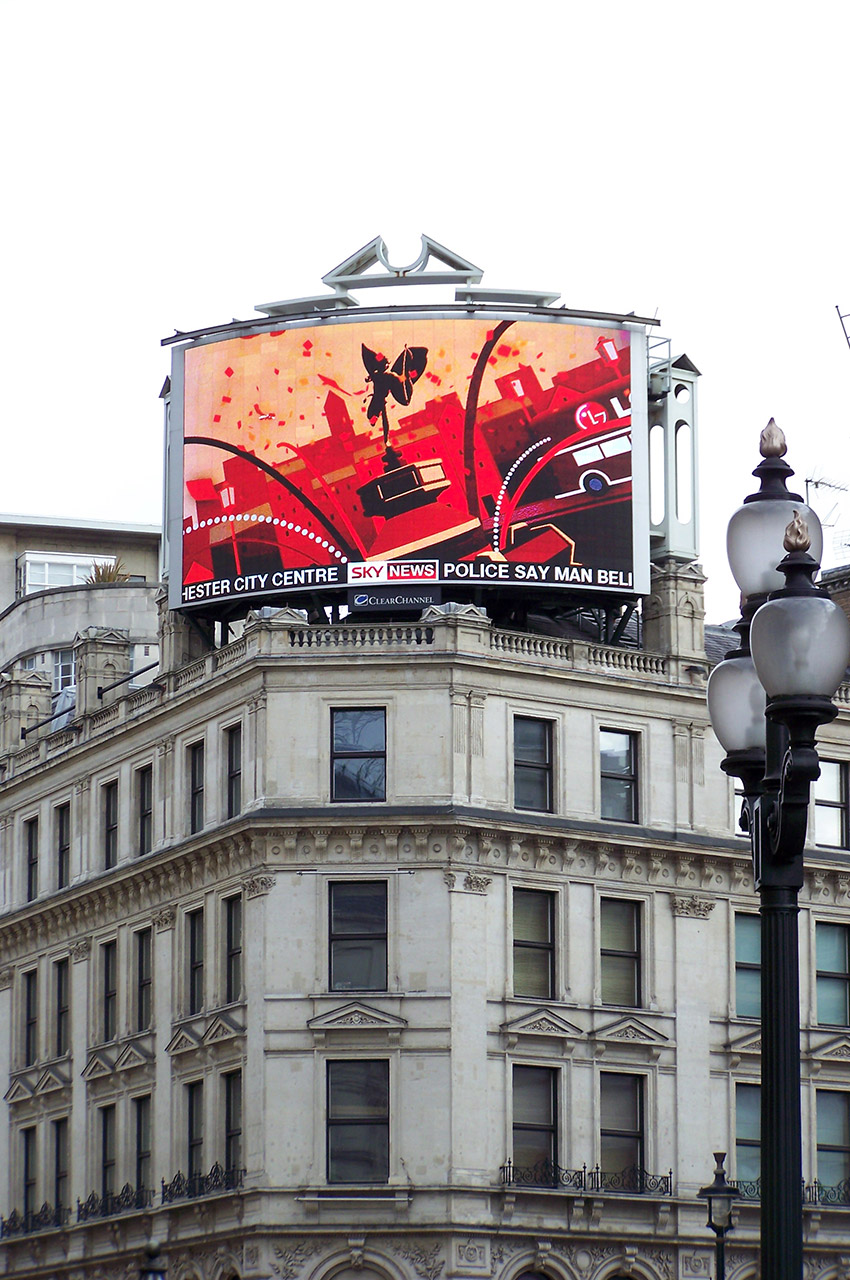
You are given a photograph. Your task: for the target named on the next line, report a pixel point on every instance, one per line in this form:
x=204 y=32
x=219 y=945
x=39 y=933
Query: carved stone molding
x=164 y=918
x=427 y=1263
x=80 y=949
x=6 y=976
x=475 y=883
x=256 y=886
x=450 y=878
x=292 y=1257
x=691 y=905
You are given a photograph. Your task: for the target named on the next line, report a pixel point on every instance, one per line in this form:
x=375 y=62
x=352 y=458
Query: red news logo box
x=395 y=571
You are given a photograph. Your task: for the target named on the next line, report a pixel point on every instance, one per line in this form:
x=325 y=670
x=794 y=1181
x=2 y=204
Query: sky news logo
x=394 y=571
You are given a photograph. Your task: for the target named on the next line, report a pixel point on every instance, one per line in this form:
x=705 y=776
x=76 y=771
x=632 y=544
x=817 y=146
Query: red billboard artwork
x=427 y=449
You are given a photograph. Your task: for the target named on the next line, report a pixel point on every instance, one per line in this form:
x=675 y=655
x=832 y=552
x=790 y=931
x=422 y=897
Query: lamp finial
x=772 y=441
x=797 y=534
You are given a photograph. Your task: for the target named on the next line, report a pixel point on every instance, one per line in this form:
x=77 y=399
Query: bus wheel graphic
x=594 y=483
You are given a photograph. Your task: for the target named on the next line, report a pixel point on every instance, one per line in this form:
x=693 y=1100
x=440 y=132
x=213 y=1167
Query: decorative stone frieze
x=256 y=886
x=292 y=1257
x=427 y=1263
x=6 y=976
x=164 y=919
x=691 y=905
x=80 y=949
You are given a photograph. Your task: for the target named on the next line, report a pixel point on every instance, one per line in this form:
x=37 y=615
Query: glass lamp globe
x=754 y=542
x=800 y=646
x=736 y=705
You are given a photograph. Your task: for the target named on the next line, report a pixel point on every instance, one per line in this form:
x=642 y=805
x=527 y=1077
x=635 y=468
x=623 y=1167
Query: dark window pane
x=359 y=908
x=616 y=752
x=748 y=993
x=831 y=941
x=617 y=799
x=531 y=740
x=358 y=936
x=748 y=939
x=358 y=1153
x=359 y=730
x=358 y=1121
x=532 y=789
x=618 y=1152
x=619 y=1102
x=619 y=981
x=360 y=779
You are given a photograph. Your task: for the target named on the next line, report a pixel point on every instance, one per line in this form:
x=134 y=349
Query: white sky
x=171 y=165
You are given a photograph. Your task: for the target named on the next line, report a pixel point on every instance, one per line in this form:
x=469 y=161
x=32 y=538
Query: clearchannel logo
x=384 y=599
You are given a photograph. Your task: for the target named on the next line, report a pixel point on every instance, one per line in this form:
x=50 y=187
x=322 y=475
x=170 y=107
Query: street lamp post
x=766 y=701
x=720 y=1194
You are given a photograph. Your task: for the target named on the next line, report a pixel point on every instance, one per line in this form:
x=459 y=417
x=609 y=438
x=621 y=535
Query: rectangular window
x=832 y=827
x=532 y=764
x=107 y=1150
x=359 y=754
x=195 y=951
x=620 y=951
x=31 y=841
x=144 y=802
x=110 y=824
x=109 y=970
x=63 y=845
x=618 y=775
x=62 y=991
x=30 y=1170
x=196 y=787
x=358 y=1121
x=233 y=949
x=60 y=1163
x=747 y=1132
x=358 y=936
x=833 y=1117
x=63 y=670
x=234 y=770
x=144 y=979
x=833 y=974
x=535 y=1109
x=621 y=1123
x=534 y=944
x=30 y=1017
x=142 y=1126
x=195 y=1134
x=747 y=965
x=233 y=1120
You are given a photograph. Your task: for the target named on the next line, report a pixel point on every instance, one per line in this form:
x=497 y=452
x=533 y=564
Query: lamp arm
x=788 y=818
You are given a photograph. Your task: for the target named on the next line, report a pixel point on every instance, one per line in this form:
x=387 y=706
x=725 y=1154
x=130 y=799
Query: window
x=747 y=965
x=532 y=764
x=62 y=991
x=195 y=1135
x=620 y=951
x=64 y=675
x=196 y=787
x=30 y=1017
x=358 y=1121
x=535 y=1110
x=833 y=974
x=144 y=802
x=144 y=979
x=31 y=840
x=40 y=570
x=110 y=824
x=30 y=1169
x=359 y=754
x=109 y=970
x=107 y=1150
x=618 y=773
x=621 y=1127
x=831 y=805
x=833 y=1118
x=60 y=1163
x=233 y=949
x=195 y=949
x=747 y=1132
x=234 y=770
x=358 y=936
x=63 y=845
x=142 y=1126
x=534 y=944
x=232 y=1120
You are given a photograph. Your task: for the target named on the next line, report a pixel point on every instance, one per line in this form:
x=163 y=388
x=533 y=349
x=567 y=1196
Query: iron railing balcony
x=817 y=1193
x=218 y=1179
x=545 y=1173
x=112 y=1202
x=43 y=1219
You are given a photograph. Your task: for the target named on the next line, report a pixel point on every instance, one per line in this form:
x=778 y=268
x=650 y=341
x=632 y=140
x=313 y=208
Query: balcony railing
x=631 y=1181
x=182 y=1187
x=19 y=1224
x=748 y=1190
x=817 y=1193
x=112 y=1202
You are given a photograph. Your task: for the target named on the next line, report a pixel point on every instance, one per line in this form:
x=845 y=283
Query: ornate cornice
x=693 y=905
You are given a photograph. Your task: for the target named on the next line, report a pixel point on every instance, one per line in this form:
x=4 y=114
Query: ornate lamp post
x=153 y=1267
x=720 y=1194
x=766 y=701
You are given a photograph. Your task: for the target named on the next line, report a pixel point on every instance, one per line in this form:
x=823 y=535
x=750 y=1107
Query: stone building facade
x=403 y=951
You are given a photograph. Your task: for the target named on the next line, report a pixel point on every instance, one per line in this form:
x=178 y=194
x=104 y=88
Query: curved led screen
x=426 y=449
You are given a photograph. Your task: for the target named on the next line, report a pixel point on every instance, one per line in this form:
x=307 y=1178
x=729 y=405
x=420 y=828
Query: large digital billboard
x=457 y=449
